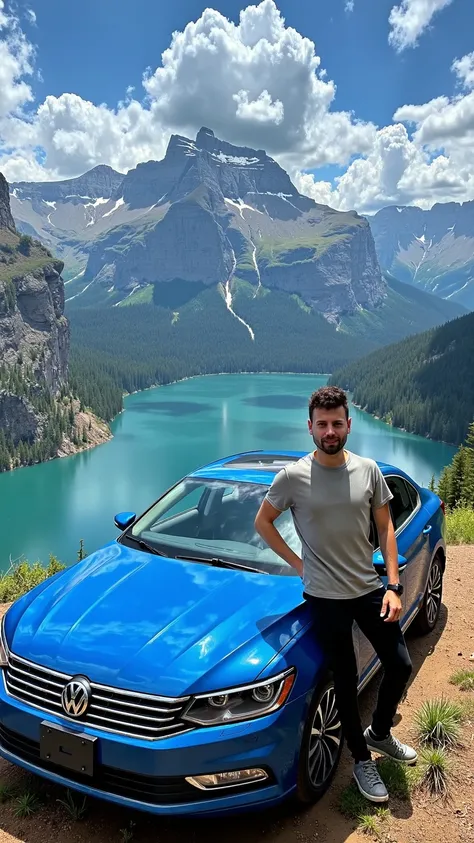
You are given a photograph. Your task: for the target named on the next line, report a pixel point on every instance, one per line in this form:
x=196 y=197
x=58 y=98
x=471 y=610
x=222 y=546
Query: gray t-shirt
x=331 y=510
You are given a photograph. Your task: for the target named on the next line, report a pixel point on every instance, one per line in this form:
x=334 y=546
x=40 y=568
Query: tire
x=321 y=746
x=428 y=616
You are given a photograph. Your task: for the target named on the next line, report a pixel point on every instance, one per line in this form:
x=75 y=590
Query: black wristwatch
x=398 y=588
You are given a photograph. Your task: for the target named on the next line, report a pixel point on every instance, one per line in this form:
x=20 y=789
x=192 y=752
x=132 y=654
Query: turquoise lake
x=165 y=433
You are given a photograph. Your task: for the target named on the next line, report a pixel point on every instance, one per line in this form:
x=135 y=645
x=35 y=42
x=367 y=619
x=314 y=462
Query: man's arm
x=389 y=550
x=264 y=525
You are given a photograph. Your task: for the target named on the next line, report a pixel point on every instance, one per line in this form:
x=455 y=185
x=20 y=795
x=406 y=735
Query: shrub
x=24 y=246
x=460 y=526
x=464 y=679
x=22 y=576
x=438 y=723
x=434 y=770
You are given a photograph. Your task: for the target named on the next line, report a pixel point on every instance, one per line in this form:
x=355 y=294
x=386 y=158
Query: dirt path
x=420 y=820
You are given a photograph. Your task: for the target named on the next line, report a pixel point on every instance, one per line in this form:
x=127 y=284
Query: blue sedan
x=175 y=670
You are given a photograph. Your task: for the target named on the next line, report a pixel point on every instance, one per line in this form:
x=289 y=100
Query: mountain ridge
x=433 y=250
x=208 y=212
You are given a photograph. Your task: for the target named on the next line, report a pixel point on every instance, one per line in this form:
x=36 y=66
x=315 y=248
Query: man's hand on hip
x=391 y=605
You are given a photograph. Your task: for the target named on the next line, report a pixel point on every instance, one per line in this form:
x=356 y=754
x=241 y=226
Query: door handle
x=427 y=529
x=379 y=563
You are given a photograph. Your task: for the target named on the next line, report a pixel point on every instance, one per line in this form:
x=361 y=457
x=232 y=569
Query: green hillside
x=135 y=345
x=424 y=384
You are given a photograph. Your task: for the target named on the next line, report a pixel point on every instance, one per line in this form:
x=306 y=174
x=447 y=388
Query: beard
x=331 y=447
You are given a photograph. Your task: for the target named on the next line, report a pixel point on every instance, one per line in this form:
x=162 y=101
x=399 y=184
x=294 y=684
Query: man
x=332 y=493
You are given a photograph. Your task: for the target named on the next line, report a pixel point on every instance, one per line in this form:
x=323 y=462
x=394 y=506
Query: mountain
x=38 y=415
x=433 y=250
x=66 y=215
x=424 y=384
x=209 y=213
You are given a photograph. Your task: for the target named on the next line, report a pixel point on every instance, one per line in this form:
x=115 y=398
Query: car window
x=403 y=503
x=215 y=518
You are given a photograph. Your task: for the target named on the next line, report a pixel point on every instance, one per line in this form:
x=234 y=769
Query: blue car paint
x=216 y=629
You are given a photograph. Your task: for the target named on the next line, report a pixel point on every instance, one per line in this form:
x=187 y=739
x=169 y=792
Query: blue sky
x=333 y=136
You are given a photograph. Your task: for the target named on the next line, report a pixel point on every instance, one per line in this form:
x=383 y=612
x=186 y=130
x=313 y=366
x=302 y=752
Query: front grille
x=122 y=712
x=153 y=790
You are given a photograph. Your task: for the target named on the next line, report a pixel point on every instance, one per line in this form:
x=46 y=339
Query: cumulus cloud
x=464 y=70
x=410 y=19
x=397 y=171
x=257 y=82
x=16 y=57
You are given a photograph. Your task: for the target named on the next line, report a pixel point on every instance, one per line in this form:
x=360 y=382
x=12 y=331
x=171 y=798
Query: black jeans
x=333 y=625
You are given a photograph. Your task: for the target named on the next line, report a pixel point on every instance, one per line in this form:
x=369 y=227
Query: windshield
x=214 y=518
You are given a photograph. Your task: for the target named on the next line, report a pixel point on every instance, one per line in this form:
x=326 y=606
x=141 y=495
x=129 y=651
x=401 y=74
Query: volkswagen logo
x=76 y=697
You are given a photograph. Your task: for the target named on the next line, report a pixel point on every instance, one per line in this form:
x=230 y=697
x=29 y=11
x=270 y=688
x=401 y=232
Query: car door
x=405 y=509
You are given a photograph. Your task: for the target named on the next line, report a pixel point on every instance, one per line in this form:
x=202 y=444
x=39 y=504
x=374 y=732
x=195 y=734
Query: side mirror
x=123 y=520
x=379 y=564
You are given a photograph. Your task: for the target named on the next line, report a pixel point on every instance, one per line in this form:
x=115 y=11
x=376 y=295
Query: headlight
x=241 y=703
x=3 y=646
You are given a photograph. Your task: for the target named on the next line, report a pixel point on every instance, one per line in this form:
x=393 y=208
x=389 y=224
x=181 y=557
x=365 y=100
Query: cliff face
x=34 y=350
x=6 y=219
x=34 y=333
x=32 y=323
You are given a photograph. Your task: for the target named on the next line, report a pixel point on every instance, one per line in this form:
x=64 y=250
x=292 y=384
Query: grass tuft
x=352 y=804
x=76 y=810
x=464 y=679
x=438 y=723
x=7 y=792
x=26 y=804
x=434 y=770
x=399 y=779
x=127 y=834
x=370 y=824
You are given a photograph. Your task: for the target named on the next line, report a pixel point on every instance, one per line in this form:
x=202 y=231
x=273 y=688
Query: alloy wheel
x=433 y=593
x=326 y=736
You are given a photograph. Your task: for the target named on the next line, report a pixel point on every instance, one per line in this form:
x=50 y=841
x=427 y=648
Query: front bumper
x=151 y=776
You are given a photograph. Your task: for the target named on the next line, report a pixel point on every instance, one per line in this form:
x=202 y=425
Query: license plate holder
x=73 y=750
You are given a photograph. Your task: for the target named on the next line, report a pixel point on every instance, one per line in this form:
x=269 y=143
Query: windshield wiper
x=146 y=546
x=220 y=563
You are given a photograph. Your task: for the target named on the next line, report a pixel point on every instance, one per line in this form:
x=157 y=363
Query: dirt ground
x=422 y=819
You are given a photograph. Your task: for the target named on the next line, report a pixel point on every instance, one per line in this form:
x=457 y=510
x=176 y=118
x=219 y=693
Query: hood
x=146 y=623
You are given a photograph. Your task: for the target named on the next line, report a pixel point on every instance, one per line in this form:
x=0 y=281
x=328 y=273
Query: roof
x=259 y=466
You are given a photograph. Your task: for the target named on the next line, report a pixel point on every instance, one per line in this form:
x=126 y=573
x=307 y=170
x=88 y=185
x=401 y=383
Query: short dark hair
x=328 y=398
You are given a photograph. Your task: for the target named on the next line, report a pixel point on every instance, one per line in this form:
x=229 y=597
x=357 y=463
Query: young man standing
x=332 y=493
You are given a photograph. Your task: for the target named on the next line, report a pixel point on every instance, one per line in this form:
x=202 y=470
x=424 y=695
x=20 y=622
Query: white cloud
x=442 y=123
x=16 y=56
x=31 y=16
x=349 y=7
x=464 y=70
x=257 y=83
x=262 y=110
x=397 y=171
x=410 y=19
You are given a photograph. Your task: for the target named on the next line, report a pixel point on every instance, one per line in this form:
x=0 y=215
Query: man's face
x=329 y=429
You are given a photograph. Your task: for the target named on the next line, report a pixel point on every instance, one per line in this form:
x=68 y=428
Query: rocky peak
x=100 y=182
x=6 y=219
x=227 y=170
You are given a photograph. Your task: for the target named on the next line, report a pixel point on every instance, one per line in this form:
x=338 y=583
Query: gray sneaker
x=369 y=782
x=392 y=748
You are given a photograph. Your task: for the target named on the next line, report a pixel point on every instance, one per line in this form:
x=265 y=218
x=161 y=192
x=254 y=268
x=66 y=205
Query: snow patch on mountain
x=117 y=205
